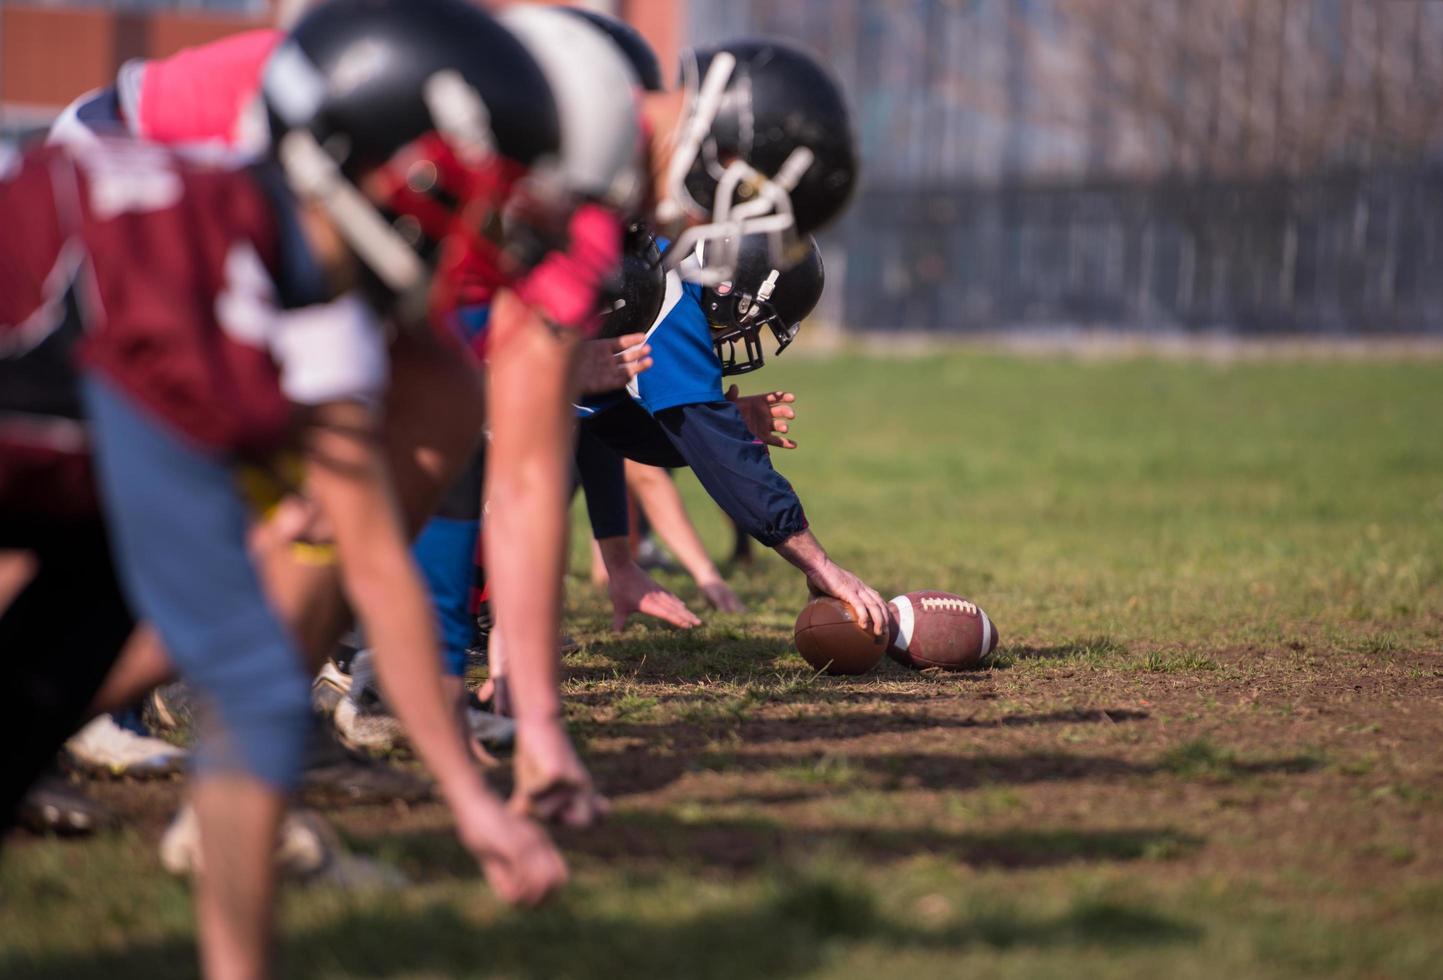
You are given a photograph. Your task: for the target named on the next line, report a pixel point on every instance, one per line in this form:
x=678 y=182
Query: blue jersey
x=685 y=369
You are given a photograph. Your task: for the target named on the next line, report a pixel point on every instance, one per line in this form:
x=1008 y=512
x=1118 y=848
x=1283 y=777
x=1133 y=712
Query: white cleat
x=104 y=747
x=329 y=689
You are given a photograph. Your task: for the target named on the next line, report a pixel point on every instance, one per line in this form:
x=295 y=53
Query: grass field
x=1210 y=745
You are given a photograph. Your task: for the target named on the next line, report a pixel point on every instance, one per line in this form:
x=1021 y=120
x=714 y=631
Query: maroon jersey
x=187 y=287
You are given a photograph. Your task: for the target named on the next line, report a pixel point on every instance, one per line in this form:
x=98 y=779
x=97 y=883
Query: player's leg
x=235 y=898
x=656 y=492
x=180 y=533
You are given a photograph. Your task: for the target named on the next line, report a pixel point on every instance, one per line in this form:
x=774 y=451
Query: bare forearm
x=615 y=553
x=805 y=552
x=527 y=478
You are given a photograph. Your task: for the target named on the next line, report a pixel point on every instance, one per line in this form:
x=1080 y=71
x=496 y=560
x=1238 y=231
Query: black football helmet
x=758 y=295
x=765 y=145
x=413 y=124
x=633 y=305
x=638 y=52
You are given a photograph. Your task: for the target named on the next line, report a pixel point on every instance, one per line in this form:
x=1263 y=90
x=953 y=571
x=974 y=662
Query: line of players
x=231 y=393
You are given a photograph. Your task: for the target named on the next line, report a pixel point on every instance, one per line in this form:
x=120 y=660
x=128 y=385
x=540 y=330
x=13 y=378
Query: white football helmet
x=595 y=91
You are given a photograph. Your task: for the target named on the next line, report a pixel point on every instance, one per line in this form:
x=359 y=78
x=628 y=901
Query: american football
x=829 y=638
x=938 y=629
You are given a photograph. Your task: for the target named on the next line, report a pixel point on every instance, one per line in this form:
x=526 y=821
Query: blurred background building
x=1160 y=165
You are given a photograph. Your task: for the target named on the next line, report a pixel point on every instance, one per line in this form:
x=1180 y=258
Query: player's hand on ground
x=720 y=597
x=551 y=783
x=834 y=580
x=768 y=416
x=610 y=363
x=521 y=864
x=634 y=591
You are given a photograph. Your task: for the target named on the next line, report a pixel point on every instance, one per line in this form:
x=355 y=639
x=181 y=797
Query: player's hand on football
x=551 y=783
x=634 y=591
x=768 y=416
x=834 y=580
x=521 y=864
x=720 y=597
x=610 y=363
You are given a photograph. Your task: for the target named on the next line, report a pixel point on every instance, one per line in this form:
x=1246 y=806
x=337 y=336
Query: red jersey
x=195 y=290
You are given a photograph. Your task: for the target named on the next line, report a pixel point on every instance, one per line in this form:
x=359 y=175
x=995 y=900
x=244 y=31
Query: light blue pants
x=177 y=523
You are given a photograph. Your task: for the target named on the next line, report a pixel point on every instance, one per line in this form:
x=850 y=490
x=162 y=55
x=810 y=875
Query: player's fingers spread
x=783 y=412
x=671 y=609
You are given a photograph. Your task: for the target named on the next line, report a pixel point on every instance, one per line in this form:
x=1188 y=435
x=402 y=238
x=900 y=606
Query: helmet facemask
x=747 y=315
x=745 y=200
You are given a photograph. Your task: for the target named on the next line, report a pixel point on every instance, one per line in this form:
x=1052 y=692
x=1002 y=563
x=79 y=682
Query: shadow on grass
x=638 y=771
x=749 y=844
x=793 y=928
x=637 y=840
x=856 y=725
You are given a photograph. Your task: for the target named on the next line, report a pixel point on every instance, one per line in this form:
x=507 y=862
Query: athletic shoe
x=54 y=805
x=329 y=688
x=305 y=846
x=651 y=556
x=476 y=657
x=171 y=708
x=104 y=747
x=366 y=729
x=492 y=732
x=336 y=775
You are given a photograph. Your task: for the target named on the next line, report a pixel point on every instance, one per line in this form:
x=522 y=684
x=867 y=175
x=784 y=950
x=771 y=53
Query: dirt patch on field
x=1271 y=763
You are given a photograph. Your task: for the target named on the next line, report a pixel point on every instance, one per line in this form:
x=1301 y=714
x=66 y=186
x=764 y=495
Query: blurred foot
x=336 y=774
x=493 y=732
x=57 y=806
x=367 y=729
x=104 y=748
x=329 y=688
x=651 y=556
x=306 y=845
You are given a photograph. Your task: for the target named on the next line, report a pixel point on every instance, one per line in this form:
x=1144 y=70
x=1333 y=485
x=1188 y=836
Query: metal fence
x=1345 y=254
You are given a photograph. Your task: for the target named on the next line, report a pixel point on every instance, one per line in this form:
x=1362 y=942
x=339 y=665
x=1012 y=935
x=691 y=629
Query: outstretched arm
x=527 y=480
x=736 y=470
x=350 y=482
